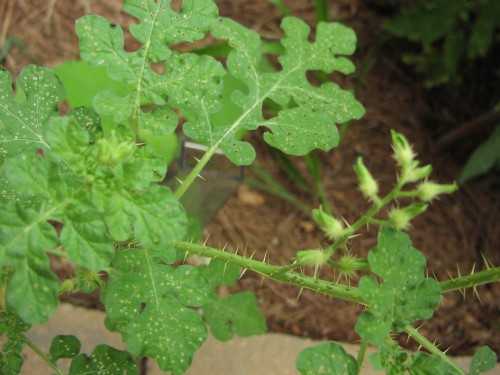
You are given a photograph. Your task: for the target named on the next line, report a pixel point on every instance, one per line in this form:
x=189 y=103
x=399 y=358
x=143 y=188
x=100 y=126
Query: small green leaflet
x=236 y=314
x=64 y=346
x=484 y=359
x=327 y=359
x=405 y=294
x=149 y=302
x=104 y=360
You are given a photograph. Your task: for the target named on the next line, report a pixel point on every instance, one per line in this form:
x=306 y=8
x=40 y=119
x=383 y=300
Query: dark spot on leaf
x=113 y=25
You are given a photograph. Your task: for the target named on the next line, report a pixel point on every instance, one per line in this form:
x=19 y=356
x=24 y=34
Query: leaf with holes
x=149 y=303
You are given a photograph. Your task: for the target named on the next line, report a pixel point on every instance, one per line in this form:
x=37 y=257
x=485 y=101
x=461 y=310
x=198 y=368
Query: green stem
x=422 y=340
x=278 y=273
x=363 y=220
x=361 y=354
x=321 y=11
x=195 y=172
x=42 y=355
x=281 y=6
x=468 y=281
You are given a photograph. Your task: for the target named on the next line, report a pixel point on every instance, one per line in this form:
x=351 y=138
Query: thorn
x=251 y=256
x=458 y=271
x=224 y=271
x=265 y=255
x=446 y=350
x=487 y=264
x=195 y=158
x=201 y=177
x=476 y=293
x=442 y=300
x=236 y=251
x=242 y=273
x=185 y=257
x=300 y=292
x=206 y=239
x=262 y=281
x=224 y=247
x=179 y=180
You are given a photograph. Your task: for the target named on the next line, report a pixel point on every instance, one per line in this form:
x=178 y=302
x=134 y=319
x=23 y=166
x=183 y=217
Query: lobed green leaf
x=25 y=236
x=405 y=294
x=310 y=123
x=148 y=302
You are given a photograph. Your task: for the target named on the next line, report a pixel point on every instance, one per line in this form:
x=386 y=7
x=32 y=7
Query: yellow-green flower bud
x=311 y=257
x=332 y=227
x=349 y=264
x=67 y=286
x=399 y=218
x=367 y=184
x=403 y=152
x=416 y=174
x=429 y=190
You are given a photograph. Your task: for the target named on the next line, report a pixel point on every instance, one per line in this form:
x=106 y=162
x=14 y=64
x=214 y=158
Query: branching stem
x=278 y=273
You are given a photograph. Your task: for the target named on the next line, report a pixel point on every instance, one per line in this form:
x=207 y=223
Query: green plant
x=449 y=33
x=75 y=191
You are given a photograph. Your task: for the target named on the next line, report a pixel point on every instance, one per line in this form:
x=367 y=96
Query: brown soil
x=454 y=234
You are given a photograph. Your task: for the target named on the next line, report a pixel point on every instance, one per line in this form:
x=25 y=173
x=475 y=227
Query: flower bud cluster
x=426 y=191
x=112 y=151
